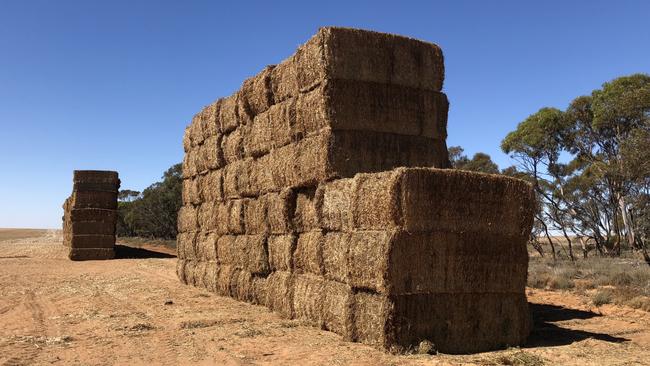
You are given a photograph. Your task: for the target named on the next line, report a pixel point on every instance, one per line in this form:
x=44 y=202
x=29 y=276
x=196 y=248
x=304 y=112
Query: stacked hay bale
x=276 y=213
x=90 y=215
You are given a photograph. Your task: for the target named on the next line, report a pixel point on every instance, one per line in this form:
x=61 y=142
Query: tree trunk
x=627 y=224
x=583 y=244
x=536 y=245
x=616 y=250
x=566 y=236
x=548 y=236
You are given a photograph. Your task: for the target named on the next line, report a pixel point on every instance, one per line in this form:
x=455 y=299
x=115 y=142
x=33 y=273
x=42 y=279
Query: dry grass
x=602 y=297
x=622 y=281
x=517 y=358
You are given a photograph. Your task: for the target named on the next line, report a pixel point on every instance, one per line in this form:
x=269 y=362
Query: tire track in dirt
x=122 y=312
x=154 y=274
x=27 y=351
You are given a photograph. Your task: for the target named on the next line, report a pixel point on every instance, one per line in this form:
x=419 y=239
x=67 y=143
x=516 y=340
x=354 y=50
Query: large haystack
x=316 y=190
x=90 y=215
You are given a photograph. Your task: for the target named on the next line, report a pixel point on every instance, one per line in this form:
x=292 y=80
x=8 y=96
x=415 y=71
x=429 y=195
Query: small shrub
x=639 y=302
x=538 y=280
x=519 y=358
x=602 y=297
x=426 y=348
x=621 y=279
x=560 y=282
x=585 y=285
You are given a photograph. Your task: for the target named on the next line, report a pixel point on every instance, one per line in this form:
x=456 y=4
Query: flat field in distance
x=9 y=234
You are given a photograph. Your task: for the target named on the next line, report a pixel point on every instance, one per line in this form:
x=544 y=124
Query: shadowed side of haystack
x=90 y=215
x=315 y=190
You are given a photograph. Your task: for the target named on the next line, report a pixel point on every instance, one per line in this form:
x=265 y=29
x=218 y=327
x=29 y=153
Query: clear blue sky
x=111 y=84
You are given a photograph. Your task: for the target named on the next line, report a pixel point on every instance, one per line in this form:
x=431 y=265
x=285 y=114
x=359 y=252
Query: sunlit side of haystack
x=316 y=190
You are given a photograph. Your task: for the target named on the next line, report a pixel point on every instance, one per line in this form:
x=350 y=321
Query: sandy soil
x=7 y=233
x=135 y=311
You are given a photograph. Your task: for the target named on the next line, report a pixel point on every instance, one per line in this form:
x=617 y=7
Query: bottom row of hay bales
x=393 y=322
x=89 y=233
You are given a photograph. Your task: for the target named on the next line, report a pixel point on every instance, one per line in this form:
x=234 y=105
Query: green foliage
x=480 y=162
x=153 y=212
x=539 y=136
x=622 y=104
x=590 y=164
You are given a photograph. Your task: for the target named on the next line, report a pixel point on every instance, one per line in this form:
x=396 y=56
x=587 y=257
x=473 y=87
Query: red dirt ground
x=135 y=311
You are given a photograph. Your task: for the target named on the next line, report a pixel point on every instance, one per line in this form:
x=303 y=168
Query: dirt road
x=135 y=311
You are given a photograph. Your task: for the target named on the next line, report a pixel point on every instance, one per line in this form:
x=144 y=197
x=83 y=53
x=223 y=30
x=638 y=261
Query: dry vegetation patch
x=622 y=281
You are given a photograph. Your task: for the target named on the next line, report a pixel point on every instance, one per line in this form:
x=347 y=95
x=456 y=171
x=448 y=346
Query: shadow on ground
x=546 y=334
x=127 y=252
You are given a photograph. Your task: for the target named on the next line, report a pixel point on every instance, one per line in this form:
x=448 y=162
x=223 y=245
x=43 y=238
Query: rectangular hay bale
x=92 y=214
x=85 y=254
x=371 y=317
x=241 y=286
x=353 y=54
x=336 y=248
x=255 y=215
x=401 y=263
x=232 y=146
x=308 y=298
x=255 y=253
x=333 y=204
x=304 y=217
x=279 y=293
x=187 y=219
x=492 y=321
x=89 y=199
x=308 y=256
x=211 y=276
x=210 y=119
x=337 y=309
x=189 y=164
x=95 y=176
x=190 y=192
x=247 y=252
x=256 y=92
x=211 y=186
x=89 y=241
x=362 y=106
x=259 y=286
x=427 y=200
x=180 y=271
x=93 y=228
x=212 y=152
x=206 y=246
x=225 y=276
x=238 y=179
x=273 y=128
x=186 y=245
x=279 y=211
x=95 y=187
x=229 y=113
x=281 y=248
x=207 y=216
x=331 y=154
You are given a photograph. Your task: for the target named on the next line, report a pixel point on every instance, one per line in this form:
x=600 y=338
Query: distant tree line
x=151 y=213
